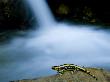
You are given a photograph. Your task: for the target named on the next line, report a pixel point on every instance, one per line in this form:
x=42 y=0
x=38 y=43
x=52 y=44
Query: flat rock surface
x=102 y=75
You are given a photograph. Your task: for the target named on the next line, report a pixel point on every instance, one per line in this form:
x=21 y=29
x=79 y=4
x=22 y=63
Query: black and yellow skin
x=59 y=69
x=71 y=67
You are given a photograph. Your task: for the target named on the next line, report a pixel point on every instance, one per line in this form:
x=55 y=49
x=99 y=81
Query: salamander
x=61 y=69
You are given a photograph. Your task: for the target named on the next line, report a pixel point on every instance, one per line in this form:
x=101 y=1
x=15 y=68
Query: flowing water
x=52 y=44
x=43 y=14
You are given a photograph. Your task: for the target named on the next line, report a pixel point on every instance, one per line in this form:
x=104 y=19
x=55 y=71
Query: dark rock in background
x=15 y=15
x=81 y=11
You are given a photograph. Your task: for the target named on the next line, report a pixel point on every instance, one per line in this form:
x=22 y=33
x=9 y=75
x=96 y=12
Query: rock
x=102 y=76
x=16 y=15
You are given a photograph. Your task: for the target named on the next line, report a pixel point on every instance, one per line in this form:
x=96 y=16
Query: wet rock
x=102 y=76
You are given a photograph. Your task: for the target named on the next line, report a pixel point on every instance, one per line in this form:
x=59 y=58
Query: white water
x=42 y=12
x=26 y=58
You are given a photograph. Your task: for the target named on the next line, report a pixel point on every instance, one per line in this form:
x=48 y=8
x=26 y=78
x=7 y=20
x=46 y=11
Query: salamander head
x=56 y=68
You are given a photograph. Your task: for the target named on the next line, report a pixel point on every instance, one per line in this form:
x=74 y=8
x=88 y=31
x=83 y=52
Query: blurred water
x=43 y=13
x=33 y=56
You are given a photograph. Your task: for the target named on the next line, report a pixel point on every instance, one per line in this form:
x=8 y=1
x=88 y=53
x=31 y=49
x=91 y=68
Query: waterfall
x=29 y=57
x=42 y=12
